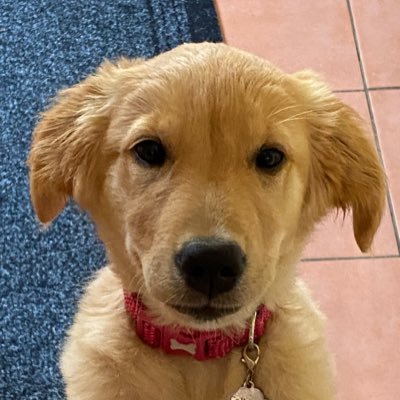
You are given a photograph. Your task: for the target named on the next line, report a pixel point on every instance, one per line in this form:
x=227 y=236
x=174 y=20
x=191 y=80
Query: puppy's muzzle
x=211 y=266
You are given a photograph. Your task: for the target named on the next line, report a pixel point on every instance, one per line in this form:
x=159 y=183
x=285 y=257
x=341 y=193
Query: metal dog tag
x=250 y=357
x=251 y=393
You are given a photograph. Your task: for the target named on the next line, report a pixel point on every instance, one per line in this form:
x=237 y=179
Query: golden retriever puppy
x=204 y=169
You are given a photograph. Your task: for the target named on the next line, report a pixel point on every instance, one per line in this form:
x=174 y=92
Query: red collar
x=202 y=345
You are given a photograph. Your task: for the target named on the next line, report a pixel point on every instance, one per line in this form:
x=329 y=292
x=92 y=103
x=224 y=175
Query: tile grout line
x=373 y=123
x=348 y=91
x=375 y=88
x=371 y=89
x=317 y=259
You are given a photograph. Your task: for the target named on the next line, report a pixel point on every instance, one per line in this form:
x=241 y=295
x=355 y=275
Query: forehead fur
x=219 y=92
x=217 y=79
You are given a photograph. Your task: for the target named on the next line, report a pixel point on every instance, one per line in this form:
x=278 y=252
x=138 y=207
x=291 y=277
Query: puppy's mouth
x=206 y=312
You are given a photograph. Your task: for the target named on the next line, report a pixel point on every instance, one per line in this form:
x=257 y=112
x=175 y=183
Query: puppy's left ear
x=345 y=168
x=67 y=149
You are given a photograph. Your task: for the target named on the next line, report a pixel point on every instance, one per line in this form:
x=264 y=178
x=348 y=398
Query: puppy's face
x=210 y=182
x=205 y=170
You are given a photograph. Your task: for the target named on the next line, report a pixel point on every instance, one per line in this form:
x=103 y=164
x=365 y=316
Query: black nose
x=210 y=266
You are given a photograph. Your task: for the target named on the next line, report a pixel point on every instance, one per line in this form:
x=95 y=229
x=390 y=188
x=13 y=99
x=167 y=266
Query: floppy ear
x=345 y=168
x=67 y=142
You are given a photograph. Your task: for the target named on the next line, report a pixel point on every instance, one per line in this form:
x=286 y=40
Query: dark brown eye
x=269 y=158
x=150 y=153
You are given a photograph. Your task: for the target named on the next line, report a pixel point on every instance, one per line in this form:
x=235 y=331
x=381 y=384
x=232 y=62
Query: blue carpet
x=46 y=45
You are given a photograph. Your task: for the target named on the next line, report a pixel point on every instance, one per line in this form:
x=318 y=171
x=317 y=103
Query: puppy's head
x=205 y=170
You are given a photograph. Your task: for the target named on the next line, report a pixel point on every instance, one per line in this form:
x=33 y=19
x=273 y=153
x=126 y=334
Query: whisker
x=295 y=117
x=276 y=112
x=292 y=119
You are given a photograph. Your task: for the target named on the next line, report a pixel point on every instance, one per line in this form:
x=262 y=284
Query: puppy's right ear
x=345 y=172
x=67 y=142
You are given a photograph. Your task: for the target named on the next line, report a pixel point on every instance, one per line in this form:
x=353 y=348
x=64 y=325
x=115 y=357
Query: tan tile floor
x=355 y=45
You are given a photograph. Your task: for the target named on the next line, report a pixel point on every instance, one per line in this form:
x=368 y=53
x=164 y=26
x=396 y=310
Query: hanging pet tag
x=250 y=357
x=251 y=393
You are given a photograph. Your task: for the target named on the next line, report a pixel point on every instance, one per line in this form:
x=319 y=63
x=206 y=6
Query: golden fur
x=212 y=106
